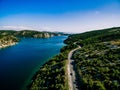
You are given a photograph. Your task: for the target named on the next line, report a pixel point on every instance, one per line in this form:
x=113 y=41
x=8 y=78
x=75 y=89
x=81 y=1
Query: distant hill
x=11 y=37
x=94 y=36
x=30 y=33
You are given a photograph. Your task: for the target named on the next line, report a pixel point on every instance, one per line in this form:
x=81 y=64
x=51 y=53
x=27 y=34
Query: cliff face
x=6 y=41
x=32 y=34
x=44 y=35
x=36 y=34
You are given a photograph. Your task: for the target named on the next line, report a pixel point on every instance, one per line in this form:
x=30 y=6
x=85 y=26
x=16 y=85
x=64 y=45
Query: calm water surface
x=18 y=63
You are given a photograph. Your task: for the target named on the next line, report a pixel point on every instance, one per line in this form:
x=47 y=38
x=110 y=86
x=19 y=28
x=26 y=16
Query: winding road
x=71 y=72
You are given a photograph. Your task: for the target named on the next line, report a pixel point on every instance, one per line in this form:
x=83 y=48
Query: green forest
x=97 y=63
x=52 y=75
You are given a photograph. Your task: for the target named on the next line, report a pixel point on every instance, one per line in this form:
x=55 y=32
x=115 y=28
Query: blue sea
x=19 y=63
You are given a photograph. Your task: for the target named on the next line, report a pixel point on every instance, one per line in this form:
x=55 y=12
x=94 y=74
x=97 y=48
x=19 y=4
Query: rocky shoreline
x=7 y=45
x=6 y=41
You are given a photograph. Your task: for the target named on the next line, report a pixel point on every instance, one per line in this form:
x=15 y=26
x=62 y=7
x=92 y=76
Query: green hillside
x=98 y=61
x=30 y=33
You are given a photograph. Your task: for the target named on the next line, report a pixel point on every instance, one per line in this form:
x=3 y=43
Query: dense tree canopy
x=97 y=63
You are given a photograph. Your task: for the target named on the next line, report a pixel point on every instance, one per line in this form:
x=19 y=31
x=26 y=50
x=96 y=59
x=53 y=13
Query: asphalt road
x=71 y=71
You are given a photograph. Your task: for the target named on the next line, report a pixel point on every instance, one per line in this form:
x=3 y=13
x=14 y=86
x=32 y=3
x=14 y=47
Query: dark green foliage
x=103 y=67
x=68 y=47
x=52 y=75
x=98 y=61
x=94 y=36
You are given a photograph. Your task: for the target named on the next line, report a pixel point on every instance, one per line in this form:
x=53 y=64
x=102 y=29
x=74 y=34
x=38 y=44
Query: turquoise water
x=18 y=63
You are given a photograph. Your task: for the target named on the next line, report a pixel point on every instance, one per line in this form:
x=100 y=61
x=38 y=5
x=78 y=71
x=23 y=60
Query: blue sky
x=59 y=15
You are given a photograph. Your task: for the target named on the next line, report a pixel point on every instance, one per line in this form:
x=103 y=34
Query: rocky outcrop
x=43 y=35
x=7 y=41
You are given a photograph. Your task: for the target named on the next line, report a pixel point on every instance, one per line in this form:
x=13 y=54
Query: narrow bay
x=18 y=63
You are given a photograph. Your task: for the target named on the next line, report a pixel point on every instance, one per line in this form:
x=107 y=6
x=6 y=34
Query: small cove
x=19 y=62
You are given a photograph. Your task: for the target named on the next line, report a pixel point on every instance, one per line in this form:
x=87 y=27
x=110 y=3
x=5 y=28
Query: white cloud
x=16 y=28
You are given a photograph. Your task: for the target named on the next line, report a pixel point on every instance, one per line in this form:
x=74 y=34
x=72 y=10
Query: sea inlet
x=19 y=63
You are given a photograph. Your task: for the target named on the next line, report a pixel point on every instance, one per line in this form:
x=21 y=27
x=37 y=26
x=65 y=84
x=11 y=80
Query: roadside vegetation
x=52 y=75
x=98 y=61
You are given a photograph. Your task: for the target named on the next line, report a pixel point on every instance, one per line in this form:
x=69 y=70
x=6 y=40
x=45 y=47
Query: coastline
x=36 y=70
x=8 y=45
x=30 y=78
x=51 y=71
x=56 y=42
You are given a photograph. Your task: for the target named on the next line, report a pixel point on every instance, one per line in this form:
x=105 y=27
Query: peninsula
x=9 y=40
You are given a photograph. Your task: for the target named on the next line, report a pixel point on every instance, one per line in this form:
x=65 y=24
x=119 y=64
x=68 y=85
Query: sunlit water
x=18 y=63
